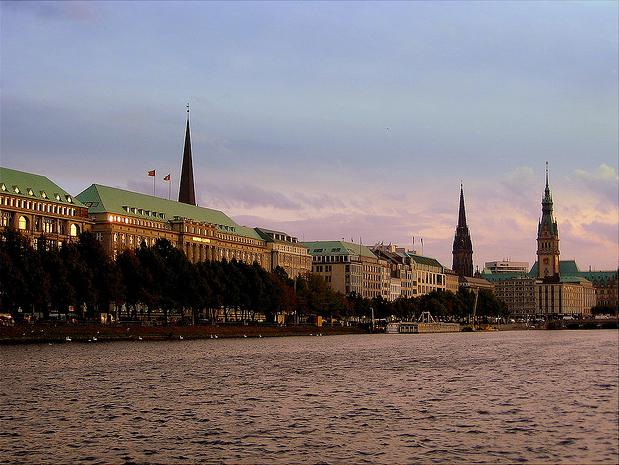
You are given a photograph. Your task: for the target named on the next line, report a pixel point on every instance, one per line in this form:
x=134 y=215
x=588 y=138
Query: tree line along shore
x=158 y=285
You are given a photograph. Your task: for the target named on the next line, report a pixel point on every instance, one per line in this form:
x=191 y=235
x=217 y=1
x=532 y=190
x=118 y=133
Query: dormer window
x=3 y=186
x=16 y=189
x=30 y=191
x=43 y=194
x=57 y=197
x=69 y=199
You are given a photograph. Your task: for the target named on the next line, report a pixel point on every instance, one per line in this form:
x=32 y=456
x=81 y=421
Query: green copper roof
x=573 y=279
x=599 y=276
x=104 y=199
x=421 y=260
x=35 y=187
x=566 y=267
x=337 y=248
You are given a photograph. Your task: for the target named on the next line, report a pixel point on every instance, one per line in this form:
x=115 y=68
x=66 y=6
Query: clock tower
x=547 y=240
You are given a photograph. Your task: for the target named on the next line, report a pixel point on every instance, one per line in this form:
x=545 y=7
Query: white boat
x=425 y=324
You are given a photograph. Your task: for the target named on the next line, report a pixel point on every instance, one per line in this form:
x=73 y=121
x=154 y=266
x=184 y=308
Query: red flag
x=166 y=178
x=151 y=172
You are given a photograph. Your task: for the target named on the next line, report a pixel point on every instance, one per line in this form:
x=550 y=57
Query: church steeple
x=547 y=238
x=186 y=193
x=461 y=211
x=462 y=246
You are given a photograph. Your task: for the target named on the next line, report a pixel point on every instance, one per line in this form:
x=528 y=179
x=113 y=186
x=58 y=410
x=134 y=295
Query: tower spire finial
x=546 y=174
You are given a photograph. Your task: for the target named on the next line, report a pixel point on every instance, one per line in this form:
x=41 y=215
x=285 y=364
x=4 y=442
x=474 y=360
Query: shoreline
x=43 y=333
x=94 y=333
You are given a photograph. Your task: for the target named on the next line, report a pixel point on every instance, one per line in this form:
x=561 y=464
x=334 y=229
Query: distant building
x=452 y=281
x=606 y=286
x=401 y=268
x=418 y=274
x=552 y=287
x=462 y=245
x=506 y=266
x=518 y=294
x=286 y=252
x=349 y=267
x=474 y=284
x=430 y=273
x=38 y=207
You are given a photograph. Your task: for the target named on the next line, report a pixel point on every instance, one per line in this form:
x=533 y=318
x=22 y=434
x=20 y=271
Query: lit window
x=22 y=223
x=16 y=189
x=74 y=230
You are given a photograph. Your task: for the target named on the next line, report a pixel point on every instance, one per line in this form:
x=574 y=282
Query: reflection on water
x=539 y=396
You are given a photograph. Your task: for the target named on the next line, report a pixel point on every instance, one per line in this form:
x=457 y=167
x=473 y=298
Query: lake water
x=503 y=397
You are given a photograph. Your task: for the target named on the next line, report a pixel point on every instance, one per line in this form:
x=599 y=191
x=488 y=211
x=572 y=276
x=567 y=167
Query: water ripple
x=539 y=396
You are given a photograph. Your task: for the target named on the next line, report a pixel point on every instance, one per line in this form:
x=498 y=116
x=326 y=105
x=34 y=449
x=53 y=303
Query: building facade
x=38 y=207
x=518 y=294
x=286 y=252
x=452 y=281
x=349 y=267
x=506 y=266
x=402 y=273
x=606 y=287
x=418 y=274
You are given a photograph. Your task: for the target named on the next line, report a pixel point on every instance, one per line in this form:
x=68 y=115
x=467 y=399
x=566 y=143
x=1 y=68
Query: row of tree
x=160 y=278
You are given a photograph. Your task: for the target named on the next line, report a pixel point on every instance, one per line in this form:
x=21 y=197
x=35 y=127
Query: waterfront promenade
x=59 y=332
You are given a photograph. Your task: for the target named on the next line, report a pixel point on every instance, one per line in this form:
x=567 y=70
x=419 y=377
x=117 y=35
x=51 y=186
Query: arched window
x=74 y=230
x=22 y=223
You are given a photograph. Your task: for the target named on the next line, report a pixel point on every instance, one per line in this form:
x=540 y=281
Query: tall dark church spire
x=462 y=247
x=187 y=193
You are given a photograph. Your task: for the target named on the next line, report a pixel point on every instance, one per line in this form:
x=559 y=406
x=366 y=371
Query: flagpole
x=169 y=189
x=154 y=177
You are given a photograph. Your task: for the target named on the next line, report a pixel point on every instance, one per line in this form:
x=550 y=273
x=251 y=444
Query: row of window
x=43 y=225
x=137 y=222
x=238 y=239
x=331 y=258
x=43 y=207
x=43 y=194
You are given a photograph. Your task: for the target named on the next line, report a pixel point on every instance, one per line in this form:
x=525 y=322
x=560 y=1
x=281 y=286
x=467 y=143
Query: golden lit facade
x=286 y=252
x=124 y=219
x=35 y=206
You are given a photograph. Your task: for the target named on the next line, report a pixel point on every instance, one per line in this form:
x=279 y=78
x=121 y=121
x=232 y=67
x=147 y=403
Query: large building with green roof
x=124 y=219
x=40 y=208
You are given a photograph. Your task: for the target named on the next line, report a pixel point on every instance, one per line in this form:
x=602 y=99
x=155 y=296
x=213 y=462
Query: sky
x=332 y=120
